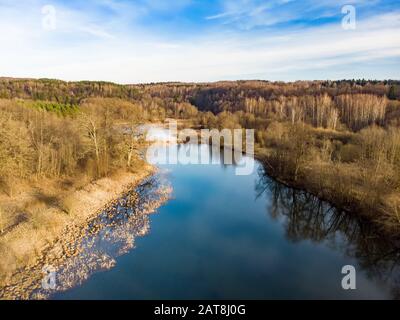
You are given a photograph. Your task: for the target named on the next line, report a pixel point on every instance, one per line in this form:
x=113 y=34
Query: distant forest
x=337 y=139
x=355 y=102
x=205 y=96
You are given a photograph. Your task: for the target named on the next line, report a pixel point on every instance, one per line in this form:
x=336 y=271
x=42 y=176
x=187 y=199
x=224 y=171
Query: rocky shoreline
x=74 y=256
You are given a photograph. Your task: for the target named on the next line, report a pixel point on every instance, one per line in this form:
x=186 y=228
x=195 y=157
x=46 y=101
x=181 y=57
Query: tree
x=131 y=142
x=91 y=127
x=392 y=93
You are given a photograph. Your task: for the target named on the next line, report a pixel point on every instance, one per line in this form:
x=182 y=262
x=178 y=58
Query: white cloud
x=82 y=48
x=248 y=14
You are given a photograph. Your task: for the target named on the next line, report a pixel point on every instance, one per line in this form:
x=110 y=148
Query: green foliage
x=64 y=92
x=58 y=108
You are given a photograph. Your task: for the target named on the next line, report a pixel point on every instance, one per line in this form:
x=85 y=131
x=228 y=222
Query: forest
x=339 y=140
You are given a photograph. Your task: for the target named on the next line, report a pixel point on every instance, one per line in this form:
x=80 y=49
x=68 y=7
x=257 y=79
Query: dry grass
x=57 y=170
x=37 y=216
x=359 y=172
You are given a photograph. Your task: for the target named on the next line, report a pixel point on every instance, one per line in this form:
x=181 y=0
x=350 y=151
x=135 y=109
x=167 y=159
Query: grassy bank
x=64 y=147
x=45 y=211
x=59 y=165
x=357 y=172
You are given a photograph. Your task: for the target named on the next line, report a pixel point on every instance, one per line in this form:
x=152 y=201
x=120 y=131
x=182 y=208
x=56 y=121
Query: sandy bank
x=42 y=238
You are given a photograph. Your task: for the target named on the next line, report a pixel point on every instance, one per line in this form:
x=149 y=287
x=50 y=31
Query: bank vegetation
x=61 y=142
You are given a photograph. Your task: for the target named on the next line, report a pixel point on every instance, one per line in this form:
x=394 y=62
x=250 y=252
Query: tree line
x=63 y=92
x=37 y=142
x=338 y=138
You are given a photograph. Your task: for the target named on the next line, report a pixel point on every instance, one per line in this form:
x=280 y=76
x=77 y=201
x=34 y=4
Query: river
x=224 y=236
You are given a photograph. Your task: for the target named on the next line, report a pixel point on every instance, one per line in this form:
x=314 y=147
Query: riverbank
x=55 y=217
x=342 y=186
x=258 y=239
x=355 y=172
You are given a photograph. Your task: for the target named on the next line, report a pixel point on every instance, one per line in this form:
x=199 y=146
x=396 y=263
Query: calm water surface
x=224 y=236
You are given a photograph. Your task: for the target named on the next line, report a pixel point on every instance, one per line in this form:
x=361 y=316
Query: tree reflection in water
x=308 y=218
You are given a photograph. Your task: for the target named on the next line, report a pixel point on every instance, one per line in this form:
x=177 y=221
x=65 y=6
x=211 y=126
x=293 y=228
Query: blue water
x=224 y=236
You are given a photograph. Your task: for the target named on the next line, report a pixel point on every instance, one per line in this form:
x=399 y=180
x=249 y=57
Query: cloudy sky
x=199 y=40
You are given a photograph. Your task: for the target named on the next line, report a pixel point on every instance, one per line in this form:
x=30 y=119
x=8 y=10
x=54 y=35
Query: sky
x=142 y=41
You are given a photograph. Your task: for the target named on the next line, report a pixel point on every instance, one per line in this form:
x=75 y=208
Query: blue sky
x=198 y=40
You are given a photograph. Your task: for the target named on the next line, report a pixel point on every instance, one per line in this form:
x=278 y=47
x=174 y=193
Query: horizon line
x=2 y=78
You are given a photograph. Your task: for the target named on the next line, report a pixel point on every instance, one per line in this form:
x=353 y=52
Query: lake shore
x=27 y=247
